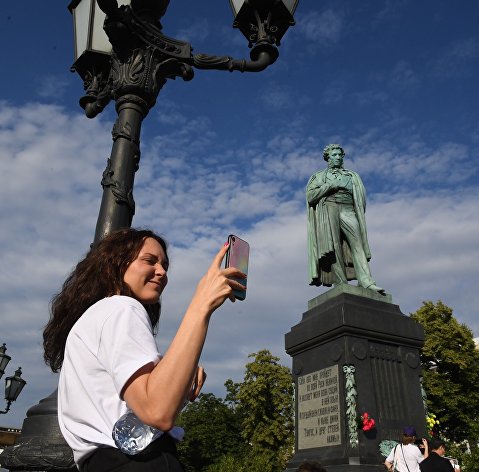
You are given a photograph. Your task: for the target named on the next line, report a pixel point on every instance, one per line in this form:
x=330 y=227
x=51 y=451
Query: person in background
x=101 y=337
x=435 y=462
x=311 y=466
x=406 y=456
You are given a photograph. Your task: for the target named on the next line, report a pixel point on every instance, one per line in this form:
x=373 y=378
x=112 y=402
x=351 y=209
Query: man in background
x=435 y=462
x=311 y=467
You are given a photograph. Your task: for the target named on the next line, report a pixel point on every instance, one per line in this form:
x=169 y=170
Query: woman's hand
x=198 y=382
x=217 y=284
x=426 y=448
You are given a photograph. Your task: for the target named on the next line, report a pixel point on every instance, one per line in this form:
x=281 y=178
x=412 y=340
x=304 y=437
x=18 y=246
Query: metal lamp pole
x=141 y=61
x=130 y=66
x=13 y=384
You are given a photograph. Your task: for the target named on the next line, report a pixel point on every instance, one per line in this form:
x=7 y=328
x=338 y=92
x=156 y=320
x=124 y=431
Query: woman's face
x=147 y=274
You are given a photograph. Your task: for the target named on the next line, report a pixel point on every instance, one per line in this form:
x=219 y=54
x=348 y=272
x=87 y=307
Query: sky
x=394 y=82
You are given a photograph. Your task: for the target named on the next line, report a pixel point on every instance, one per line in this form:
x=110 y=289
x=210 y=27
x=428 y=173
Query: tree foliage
x=468 y=457
x=249 y=463
x=212 y=431
x=251 y=431
x=450 y=364
x=264 y=403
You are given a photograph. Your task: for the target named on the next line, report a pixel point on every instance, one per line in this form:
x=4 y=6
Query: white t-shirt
x=412 y=455
x=105 y=347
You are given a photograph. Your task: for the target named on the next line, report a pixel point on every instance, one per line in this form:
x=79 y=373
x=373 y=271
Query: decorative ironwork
x=123 y=194
x=141 y=61
x=262 y=55
x=97 y=96
x=205 y=61
x=143 y=58
x=123 y=131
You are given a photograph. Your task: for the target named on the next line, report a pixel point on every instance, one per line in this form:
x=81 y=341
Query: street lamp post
x=136 y=62
x=13 y=384
x=122 y=55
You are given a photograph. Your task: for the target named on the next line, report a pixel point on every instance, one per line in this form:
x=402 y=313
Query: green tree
x=450 y=372
x=468 y=460
x=212 y=430
x=264 y=403
x=248 y=463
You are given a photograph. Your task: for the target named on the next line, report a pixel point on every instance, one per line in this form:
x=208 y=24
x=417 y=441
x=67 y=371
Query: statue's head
x=329 y=148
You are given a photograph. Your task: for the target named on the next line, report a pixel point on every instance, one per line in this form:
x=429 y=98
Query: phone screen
x=238 y=256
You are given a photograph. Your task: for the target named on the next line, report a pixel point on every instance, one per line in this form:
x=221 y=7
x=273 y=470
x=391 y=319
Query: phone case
x=238 y=256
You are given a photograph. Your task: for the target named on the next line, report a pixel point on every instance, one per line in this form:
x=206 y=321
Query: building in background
x=7 y=438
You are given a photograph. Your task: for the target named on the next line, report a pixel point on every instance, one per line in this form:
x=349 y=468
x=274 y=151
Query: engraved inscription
x=319 y=409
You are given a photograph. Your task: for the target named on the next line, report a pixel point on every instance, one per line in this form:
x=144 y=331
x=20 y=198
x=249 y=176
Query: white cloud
x=277 y=97
x=457 y=59
x=194 y=32
x=369 y=97
x=423 y=238
x=403 y=75
x=51 y=86
x=322 y=28
x=332 y=95
x=392 y=10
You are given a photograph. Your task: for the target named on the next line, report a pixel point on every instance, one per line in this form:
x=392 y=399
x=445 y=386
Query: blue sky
x=394 y=82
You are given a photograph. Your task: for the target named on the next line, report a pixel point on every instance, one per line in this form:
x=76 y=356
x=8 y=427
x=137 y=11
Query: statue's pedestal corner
x=352 y=290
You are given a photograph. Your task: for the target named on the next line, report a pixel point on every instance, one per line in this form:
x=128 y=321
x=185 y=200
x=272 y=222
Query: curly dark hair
x=98 y=275
x=329 y=148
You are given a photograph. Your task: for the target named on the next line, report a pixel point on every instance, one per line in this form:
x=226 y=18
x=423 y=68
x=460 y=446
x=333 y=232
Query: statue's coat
x=320 y=240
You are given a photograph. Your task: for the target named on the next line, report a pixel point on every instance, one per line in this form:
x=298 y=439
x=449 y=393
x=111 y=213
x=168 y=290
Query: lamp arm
x=262 y=55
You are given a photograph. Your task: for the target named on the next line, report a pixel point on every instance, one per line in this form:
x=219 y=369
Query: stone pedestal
x=353 y=352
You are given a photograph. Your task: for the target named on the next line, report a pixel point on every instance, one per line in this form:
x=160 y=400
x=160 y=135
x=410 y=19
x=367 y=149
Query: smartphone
x=238 y=256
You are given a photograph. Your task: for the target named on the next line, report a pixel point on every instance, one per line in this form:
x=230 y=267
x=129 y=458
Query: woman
x=406 y=457
x=100 y=337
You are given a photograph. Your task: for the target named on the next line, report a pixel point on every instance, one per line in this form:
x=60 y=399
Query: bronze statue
x=338 y=248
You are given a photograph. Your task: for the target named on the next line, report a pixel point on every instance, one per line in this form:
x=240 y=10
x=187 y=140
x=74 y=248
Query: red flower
x=367 y=422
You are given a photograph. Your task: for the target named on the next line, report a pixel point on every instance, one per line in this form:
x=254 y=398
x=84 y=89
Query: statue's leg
x=338 y=266
x=350 y=230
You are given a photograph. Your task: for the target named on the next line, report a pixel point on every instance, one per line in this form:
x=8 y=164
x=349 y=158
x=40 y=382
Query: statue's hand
x=334 y=187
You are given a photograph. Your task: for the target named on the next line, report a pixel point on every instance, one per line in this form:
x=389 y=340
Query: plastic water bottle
x=131 y=435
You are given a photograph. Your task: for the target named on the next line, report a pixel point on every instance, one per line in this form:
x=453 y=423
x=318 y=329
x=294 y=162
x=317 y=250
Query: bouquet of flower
x=431 y=422
x=366 y=423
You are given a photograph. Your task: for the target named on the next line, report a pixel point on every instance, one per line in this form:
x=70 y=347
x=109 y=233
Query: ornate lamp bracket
x=141 y=61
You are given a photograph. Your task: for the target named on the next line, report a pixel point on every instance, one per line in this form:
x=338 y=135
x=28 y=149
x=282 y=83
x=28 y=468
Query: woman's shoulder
x=113 y=306
x=116 y=301
x=414 y=450
x=121 y=300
